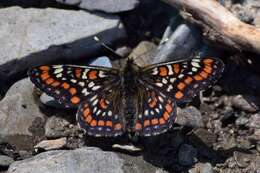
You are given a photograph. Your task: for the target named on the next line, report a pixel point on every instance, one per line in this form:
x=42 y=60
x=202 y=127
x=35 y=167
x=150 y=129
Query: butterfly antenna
x=110 y=50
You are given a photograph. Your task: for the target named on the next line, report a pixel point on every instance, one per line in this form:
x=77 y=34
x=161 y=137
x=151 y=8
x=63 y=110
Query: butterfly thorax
x=129 y=85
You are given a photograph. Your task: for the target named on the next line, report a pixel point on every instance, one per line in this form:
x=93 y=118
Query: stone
x=57 y=127
x=242 y=159
x=202 y=168
x=5 y=161
x=21 y=122
x=109 y=6
x=254 y=121
x=245 y=103
x=33 y=30
x=189 y=116
x=82 y=160
x=187 y=155
x=51 y=144
x=31 y=37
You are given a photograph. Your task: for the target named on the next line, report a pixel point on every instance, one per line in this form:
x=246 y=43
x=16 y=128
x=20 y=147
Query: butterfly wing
x=102 y=114
x=155 y=112
x=183 y=79
x=70 y=84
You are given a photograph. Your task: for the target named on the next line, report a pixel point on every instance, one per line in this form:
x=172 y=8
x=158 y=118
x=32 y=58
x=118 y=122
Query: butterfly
x=139 y=100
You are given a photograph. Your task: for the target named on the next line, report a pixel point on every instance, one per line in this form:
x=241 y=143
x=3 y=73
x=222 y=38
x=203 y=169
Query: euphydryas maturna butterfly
x=136 y=99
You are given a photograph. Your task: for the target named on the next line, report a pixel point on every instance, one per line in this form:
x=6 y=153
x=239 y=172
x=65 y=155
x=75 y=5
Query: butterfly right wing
x=70 y=84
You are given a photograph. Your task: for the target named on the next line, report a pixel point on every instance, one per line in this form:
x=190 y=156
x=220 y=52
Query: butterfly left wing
x=102 y=114
x=71 y=84
x=155 y=112
x=184 y=79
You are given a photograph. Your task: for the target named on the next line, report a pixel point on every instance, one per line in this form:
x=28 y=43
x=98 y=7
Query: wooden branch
x=219 y=24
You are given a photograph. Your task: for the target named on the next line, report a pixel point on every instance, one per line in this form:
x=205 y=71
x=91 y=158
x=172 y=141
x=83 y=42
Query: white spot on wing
x=91 y=84
x=84 y=74
x=101 y=74
x=170 y=70
x=95 y=102
x=164 y=81
x=59 y=75
x=73 y=81
x=159 y=84
x=146 y=112
x=82 y=84
x=195 y=64
x=109 y=113
x=58 y=70
x=96 y=88
x=172 y=80
x=169 y=88
x=194 y=69
x=155 y=71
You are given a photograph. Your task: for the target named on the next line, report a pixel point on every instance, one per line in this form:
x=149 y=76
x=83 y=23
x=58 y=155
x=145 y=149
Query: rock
x=82 y=160
x=202 y=168
x=189 y=116
x=187 y=155
x=245 y=103
x=109 y=6
x=47 y=36
x=254 y=121
x=241 y=121
x=51 y=144
x=208 y=138
x=242 y=159
x=21 y=121
x=5 y=161
x=57 y=127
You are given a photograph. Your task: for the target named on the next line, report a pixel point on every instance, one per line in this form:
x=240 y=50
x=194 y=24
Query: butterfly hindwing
x=183 y=79
x=102 y=114
x=70 y=84
x=155 y=114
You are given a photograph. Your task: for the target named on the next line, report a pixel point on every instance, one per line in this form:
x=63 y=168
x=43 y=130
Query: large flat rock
x=83 y=160
x=21 y=121
x=23 y=31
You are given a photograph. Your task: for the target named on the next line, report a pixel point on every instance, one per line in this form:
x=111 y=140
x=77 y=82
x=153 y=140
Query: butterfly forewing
x=155 y=112
x=102 y=114
x=184 y=79
x=69 y=84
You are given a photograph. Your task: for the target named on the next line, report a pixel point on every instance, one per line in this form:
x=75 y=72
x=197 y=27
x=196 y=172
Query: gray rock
x=57 y=127
x=51 y=144
x=21 y=121
x=241 y=121
x=187 y=155
x=189 y=116
x=5 y=161
x=245 y=103
x=47 y=36
x=82 y=160
x=202 y=168
x=242 y=159
x=109 y=6
x=254 y=121
x=33 y=30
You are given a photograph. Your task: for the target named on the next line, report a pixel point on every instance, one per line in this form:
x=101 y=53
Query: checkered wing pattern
x=182 y=80
x=155 y=112
x=96 y=90
x=70 y=84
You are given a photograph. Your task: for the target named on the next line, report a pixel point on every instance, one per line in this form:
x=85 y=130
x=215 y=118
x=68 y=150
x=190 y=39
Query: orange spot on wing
x=188 y=80
x=208 y=61
x=168 y=108
x=208 y=69
x=78 y=72
x=118 y=126
x=161 y=121
x=44 y=68
x=102 y=103
x=101 y=123
x=55 y=84
x=152 y=104
x=45 y=76
x=72 y=91
x=204 y=74
x=75 y=100
x=154 y=121
x=198 y=77
x=86 y=112
x=92 y=74
x=163 y=71
x=138 y=126
x=65 y=85
x=93 y=123
x=166 y=115
x=146 y=123
x=179 y=95
x=88 y=119
x=49 y=81
x=109 y=123
x=181 y=86
x=176 y=68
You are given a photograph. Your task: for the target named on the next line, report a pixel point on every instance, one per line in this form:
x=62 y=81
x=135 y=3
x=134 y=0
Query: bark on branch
x=219 y=24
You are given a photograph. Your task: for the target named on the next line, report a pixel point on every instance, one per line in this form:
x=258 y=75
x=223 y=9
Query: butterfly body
x=140 y=100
